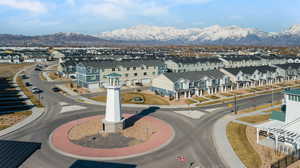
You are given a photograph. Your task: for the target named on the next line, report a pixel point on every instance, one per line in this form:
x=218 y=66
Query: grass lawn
x=190 y=101
x=7 y=120
x=236 y=134
x=201 y=99
x=226 y=94
x=255 y=119
x=126 y=98
x=28 y=93
x=212 y=97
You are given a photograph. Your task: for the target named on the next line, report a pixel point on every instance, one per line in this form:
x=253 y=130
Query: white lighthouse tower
x=113 y=121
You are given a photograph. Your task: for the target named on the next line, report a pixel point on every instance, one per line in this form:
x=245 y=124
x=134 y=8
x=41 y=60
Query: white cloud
x=120 y=9
x=71 y=2
x=28 y=5
x=107 y=10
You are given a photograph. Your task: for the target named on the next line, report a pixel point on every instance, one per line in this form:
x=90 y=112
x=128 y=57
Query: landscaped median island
x=28 y=93
x=7 y=120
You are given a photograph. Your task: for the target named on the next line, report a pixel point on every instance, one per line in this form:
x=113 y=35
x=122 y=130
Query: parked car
x=36 y=90
x=25 y=77
x=38 y=69
x=28 y=84
x=56 y=89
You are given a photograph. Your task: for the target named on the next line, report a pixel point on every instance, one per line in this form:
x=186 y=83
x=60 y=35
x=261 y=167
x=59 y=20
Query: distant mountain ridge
x=154 y=35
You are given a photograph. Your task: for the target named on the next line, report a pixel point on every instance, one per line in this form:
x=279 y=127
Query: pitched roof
x=194 y=75
x=251 y=70
x=124 y=63
x=289 y=66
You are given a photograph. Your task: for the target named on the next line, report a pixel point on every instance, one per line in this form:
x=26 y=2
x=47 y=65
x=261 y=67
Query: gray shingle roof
x=251 y=70
x=194 y=75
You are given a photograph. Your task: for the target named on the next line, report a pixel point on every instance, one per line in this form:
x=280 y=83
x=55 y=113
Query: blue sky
x=33 y=17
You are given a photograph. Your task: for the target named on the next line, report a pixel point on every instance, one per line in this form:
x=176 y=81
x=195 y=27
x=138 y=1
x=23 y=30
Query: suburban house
x=188 y=84
x=193 y=64
x=91 y=74
x=252 y=76
x=289 y=71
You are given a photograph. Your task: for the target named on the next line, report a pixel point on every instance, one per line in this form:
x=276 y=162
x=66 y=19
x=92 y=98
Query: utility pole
x=272 y=96
x=235 y=104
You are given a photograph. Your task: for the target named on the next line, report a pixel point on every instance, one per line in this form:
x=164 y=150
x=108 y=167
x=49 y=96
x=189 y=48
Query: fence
x=287 y=160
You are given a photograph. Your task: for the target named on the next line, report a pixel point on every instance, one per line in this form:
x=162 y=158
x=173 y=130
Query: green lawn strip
x=236 y=134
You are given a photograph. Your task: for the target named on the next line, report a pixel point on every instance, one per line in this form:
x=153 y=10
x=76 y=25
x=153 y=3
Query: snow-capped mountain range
x=154 y=35
x=210 y=35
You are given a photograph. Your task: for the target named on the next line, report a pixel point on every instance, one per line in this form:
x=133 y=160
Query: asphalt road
x=193 y=138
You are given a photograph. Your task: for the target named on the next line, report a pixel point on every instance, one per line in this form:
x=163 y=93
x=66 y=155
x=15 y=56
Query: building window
x=128 y=68
x=126 y=75
x=145 y=73
x=153 y=73
x=113 y=69
x=135 y=74
x=147 y=67
x=142 y=68
x=134 y=68
x=119 y=69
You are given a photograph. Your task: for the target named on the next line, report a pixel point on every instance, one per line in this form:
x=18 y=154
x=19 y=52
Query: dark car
x=28 y=84
x=25 y=77
x=37 y=69
x=36 y=90
x=56 y=89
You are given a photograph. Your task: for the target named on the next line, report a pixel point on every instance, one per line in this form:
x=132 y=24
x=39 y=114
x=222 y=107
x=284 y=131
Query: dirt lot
x=9 y=70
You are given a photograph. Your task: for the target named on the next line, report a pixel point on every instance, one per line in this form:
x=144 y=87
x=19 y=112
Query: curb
x=110 y=158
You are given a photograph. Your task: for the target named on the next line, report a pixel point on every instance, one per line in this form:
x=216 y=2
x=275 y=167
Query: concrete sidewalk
x=221 y=141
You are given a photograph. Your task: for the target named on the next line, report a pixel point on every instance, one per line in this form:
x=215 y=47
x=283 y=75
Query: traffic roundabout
x=84 y=138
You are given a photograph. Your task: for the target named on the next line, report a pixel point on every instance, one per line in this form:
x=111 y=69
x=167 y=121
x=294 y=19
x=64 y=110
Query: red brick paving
x=61 y=141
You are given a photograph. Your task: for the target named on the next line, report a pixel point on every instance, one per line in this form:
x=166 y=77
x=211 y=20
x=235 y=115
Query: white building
x=282 y=130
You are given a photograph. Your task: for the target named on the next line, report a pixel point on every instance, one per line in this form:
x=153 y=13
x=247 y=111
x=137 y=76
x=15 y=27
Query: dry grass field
x=9 y=70
x=256 y=119
x=8 y=120
x=236 y=134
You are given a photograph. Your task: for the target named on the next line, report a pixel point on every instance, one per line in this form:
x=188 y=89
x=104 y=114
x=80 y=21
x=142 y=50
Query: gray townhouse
x=187 y=84
x=233 y=61
x=193 y=64
x=289 y=71
x=91 y=74
x=252 y=76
